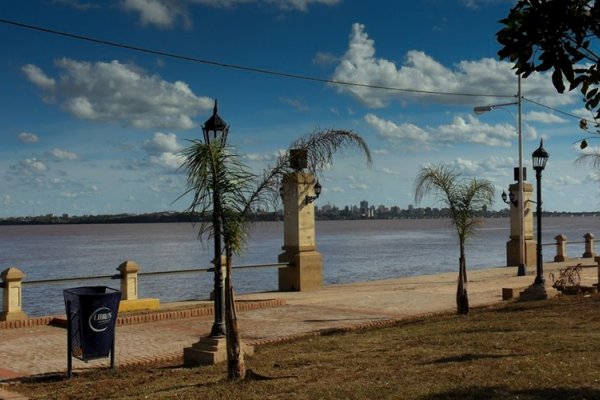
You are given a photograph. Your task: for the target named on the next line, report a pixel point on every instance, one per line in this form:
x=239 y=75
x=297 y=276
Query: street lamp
x=216 y=129
x=522 y=269
x=539 y=158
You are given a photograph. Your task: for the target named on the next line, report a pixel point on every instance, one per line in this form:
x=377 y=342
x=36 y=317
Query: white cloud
x=62 y=155
x=160 y=13
x=37 y=76
x=168 y=160
x=33 y=165
x=6 y=200
x=164 y=149
x=544 y=117
x=166 y=13
x=27 y=137
x=390 y=130
x=162 y=142
x=325 y=59
x=567 y=180
x=461 y=130
x=421 y=72
x=116 y=92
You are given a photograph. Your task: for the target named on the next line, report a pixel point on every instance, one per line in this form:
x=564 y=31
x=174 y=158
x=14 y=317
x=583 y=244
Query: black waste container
x=91 y=318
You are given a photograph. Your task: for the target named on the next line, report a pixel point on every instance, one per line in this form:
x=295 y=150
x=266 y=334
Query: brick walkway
x=266 y=317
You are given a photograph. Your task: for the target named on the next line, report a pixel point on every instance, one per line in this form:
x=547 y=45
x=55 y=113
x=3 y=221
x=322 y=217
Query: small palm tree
x=222 y=185
x=463 y=199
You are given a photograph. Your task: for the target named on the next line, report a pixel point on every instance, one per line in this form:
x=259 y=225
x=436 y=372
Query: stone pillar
x=11 y=295
x=129 y=290
x=561 y=248
x=589 y=246
x=512 y=246
x=129 y=280
x=299 y=246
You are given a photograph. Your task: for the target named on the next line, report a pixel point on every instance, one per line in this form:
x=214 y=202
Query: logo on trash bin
x=100 y=319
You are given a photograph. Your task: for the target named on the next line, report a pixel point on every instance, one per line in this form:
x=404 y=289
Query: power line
x=239 y=67
x=558 y=111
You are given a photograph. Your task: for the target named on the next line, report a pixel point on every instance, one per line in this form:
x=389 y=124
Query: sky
x=87 y=128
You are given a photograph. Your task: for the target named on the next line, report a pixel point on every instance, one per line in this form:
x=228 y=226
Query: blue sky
x=94 y=129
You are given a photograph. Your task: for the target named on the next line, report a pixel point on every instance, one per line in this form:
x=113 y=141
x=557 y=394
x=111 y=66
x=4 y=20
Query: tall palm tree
x=463 y=199
x=222 y=185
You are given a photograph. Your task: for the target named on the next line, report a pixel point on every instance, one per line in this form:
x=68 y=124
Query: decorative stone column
x=11 y=295
x=299 y=248
x=129 y=280
x=129 y=290
x=589 y=245
x=561 y=248
x=512 y=246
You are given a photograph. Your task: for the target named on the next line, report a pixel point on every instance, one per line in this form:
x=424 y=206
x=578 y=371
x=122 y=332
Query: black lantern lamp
x=539 y=158
x=317 y=188
x=215 y=127
x=510 y=198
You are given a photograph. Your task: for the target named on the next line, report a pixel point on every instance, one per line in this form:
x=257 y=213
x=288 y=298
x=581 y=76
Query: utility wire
x=239 y=67
x=558 y=111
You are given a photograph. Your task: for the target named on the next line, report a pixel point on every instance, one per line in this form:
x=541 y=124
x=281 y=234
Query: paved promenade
x=276 y=316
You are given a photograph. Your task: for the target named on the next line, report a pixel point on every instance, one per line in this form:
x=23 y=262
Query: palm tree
x=222 y=185
x=463 y=199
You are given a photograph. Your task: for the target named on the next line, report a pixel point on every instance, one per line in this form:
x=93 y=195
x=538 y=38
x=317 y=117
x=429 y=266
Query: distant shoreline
x=174 y=217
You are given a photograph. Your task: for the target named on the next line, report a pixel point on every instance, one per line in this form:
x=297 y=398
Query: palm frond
x=322 y=145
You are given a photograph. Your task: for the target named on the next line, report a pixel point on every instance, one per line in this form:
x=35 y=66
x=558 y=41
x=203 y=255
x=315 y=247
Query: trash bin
x=91 y=318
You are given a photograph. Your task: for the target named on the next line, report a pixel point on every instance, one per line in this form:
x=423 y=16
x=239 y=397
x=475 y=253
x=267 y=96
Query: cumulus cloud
x=27 y=137
x=544 y=117
x=161 y=143
x=116 y=92
x=33 y=166
x=167 y=13
x=421 y=72
x=62 y=155
x=37 y=76
x=160 y=13
x=460 y=130
x=164 y=149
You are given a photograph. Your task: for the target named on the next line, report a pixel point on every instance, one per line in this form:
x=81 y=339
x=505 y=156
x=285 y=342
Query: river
x=352 y=251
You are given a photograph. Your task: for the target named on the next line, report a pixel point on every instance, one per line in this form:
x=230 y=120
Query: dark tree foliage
x=557 y=35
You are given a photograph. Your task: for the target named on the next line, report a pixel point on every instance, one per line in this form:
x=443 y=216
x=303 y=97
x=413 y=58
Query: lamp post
x=522 y=268
x=215 y=129
x=539 y=158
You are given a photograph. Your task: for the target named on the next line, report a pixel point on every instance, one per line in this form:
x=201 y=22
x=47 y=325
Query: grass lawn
x=538 y=350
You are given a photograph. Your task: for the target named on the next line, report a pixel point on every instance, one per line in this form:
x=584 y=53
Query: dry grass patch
x=531 y=351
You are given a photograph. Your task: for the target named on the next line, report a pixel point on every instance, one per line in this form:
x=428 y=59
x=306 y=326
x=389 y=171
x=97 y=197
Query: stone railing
x=12 y=282
x=561 y=247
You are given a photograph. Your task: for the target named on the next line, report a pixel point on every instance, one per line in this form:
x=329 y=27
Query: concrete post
x=589 y=246
x=561 y=248
x=129 y=290
x=129 y=280
x=299 y=245
x=11 y=295
x=512 y=246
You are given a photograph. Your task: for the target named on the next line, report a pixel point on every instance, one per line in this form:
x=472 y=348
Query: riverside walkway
x=274 y=317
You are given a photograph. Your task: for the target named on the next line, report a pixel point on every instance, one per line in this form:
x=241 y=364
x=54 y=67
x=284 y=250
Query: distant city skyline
x=90 y=128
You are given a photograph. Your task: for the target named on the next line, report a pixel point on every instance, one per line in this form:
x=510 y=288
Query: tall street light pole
x=522 y=268
x=539 y=158
x=215 y=129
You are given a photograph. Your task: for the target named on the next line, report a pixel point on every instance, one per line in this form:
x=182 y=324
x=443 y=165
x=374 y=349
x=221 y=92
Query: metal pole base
x=218 y=329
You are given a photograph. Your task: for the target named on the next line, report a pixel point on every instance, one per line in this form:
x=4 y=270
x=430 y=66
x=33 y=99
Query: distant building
x=364 y=208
